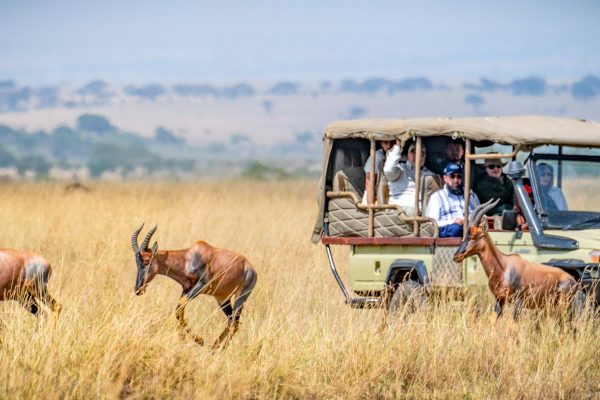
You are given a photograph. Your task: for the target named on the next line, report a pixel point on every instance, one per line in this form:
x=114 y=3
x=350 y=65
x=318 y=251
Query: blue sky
x=52 y=42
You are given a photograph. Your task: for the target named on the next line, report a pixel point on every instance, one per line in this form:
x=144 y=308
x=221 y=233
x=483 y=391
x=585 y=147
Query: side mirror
x=509 y=220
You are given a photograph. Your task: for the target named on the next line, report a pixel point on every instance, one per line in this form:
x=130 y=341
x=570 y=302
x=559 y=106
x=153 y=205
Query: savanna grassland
x=297 y=338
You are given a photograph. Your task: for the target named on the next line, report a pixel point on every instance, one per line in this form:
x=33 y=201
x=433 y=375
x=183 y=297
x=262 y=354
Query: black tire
x=409 y=297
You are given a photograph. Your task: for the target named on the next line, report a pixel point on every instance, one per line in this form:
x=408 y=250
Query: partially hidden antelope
x=511 y=278
x=24 y=277
x=199 y=269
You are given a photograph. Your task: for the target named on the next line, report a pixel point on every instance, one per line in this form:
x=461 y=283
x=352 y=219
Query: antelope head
x=144 y=259
x=476 y=231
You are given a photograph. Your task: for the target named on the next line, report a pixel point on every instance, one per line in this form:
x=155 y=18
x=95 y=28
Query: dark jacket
x=490 y=188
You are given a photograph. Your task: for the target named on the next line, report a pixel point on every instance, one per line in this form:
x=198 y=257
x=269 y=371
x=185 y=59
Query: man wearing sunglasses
x=447 y=205
x=496 y=185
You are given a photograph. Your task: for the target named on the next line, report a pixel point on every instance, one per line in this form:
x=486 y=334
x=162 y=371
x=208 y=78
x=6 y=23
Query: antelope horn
x=134 y=239
x=475 y=214
x=148 y=237
x=483 y=209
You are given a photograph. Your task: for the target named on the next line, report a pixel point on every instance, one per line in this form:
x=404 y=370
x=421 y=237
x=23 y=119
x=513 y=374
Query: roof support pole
x=559 y=173
x=371 y=188
x=417 y=167
x=467 y=181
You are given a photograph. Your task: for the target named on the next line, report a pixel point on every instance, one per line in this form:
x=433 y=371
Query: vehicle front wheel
x=409 y=297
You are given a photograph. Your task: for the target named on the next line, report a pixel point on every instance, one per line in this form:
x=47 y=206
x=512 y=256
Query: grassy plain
x=297 y=338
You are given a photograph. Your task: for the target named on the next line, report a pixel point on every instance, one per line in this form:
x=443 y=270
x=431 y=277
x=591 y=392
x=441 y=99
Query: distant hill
x=201 y=128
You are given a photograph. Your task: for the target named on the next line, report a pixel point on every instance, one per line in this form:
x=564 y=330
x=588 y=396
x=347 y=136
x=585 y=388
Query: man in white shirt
x=447 y=205
x=401 y=177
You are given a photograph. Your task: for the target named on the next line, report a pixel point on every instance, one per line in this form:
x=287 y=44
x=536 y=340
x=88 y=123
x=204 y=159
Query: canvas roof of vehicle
x=521 y=131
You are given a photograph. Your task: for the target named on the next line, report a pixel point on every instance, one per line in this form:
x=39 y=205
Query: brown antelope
x=24 y=277
x=199 y=269
x=511 y=278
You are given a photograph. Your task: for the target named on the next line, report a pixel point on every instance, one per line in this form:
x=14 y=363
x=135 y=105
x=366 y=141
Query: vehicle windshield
x=565 y=191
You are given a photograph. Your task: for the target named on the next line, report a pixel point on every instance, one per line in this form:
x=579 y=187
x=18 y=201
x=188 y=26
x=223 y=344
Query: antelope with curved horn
x=199 y=269
x=511 y=277
x=24 y=277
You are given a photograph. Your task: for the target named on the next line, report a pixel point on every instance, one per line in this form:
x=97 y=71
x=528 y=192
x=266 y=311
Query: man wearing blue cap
x=447 y=205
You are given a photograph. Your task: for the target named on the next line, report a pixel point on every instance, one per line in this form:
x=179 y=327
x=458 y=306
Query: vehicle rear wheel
x=409 y=297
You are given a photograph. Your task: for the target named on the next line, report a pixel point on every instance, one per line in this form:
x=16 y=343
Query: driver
x=552 y=196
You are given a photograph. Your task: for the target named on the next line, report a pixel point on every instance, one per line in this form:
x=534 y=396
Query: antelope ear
x=155 y=247
x=484 y=226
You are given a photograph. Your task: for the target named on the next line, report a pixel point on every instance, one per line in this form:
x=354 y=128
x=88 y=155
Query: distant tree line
x=94 y=143
x=99 y=147
x=18 y=98
x=584 y=89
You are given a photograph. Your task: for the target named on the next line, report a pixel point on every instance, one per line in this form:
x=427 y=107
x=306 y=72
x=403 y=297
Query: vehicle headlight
x=595 y=254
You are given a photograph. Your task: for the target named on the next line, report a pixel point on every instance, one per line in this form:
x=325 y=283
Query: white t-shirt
x=401 y=178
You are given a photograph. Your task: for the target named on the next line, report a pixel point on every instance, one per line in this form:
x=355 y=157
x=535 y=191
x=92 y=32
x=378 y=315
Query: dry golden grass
x=297 y=338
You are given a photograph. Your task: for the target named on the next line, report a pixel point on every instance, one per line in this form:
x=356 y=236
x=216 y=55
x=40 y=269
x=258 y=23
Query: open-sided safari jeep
x=394 y=256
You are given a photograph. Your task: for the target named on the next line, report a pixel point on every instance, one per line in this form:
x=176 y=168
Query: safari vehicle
x=394 y=257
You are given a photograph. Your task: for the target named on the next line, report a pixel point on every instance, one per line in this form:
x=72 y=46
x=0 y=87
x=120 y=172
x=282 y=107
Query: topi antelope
x=511 y=277
x=24 y=277
x=199 y=269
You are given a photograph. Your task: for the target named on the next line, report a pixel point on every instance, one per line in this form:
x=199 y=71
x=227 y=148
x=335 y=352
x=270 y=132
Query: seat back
x=351 y=179
x=430 y=185
x=348 y=153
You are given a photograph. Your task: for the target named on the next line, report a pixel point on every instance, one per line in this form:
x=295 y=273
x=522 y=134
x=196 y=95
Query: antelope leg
x=233 y=314
x=30 y=303
x=517 y=308
x=182 y=325
x=230 y=329
x=55 y=307
x=196 y=290
x=499 y=307
x=226 y=335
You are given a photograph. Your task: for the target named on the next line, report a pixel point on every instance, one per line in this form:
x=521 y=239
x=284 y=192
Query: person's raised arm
x=392 y=169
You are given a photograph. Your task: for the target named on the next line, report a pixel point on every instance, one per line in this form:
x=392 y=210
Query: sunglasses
x=455 y=176
x=494 y=166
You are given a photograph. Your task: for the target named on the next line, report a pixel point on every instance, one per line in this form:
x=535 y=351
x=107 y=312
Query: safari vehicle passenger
x=496 y=185
x=447 y=205
x=394 y=252
x=453 y=153
x=401 y=176
x=552 y=196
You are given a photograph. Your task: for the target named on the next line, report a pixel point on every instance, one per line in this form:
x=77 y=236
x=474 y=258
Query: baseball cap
x=452 y=168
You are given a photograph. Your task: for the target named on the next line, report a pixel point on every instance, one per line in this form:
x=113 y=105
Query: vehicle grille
x=444 y=271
